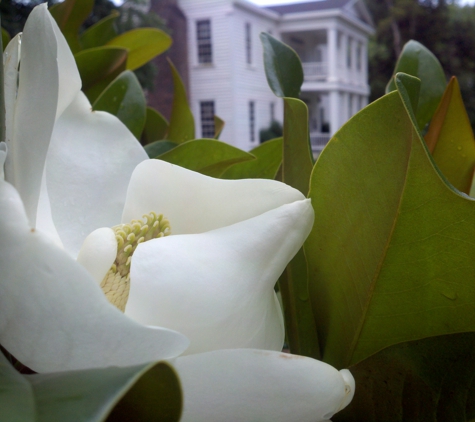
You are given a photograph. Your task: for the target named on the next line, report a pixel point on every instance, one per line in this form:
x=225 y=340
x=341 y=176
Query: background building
x=226 y=72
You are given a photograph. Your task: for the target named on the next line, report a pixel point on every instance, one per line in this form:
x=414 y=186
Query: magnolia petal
x=90 y=161
x=257 y=385
x=35 y=108
x=3 y=157
x=11 y=59
x=53 y=315
x=69 y=78
x=44 y=219
x=205 y=203
x=217 y=287
x=98 y=253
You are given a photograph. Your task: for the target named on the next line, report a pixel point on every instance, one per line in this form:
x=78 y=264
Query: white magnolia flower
x=71 y=175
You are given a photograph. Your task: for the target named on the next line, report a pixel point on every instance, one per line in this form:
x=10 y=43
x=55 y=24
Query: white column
x=354 y=69
x=335 y=110
x=344 y=56
x=364 y=62
x=332 y=54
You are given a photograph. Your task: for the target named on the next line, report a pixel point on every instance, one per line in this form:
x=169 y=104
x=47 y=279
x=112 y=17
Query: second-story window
x=248 y=44
x=252 y=121
x=207 y=119
x=203 y=40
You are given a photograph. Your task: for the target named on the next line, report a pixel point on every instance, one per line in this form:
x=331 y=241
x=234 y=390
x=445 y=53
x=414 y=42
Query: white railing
x=314 y=71
x=319 y=140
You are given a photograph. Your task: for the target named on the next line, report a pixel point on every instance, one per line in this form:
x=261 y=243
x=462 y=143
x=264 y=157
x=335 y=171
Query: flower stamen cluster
x=116 y=283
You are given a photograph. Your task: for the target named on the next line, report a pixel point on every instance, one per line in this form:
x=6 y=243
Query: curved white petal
x=3 y=157
x=69 y=79
x=90 y=161
x=35 y=108
x=257 y=385
x=11 y=60
x=98 y=253
x=53 y=315
x=195 y=203
x=44 y=219
x=217 y=287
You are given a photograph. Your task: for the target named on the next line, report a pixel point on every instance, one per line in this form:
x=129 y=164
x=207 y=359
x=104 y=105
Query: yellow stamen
x=116 y=283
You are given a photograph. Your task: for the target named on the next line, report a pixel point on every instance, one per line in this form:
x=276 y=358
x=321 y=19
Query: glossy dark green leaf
x=297 y=159
x=70 y=15
x=182 y=123
x=158 y=148
x=17 y=401
x=418 y=61
x=218 y=126
x=296 y=169
x=283 y=68
x=98 y=67
x=427 y=380
x=5 y=38
x=156 y=126
x=450 y=139
x=125 y=99
x=390 y=253
x=142 y=44
x=206 y=156
x=100 y=33
x=265 y=166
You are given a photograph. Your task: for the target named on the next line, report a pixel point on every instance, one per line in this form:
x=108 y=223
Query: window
x=248 y=44
x=252 y=121
x=203 y=39
x=272 y=112
x=207 y=119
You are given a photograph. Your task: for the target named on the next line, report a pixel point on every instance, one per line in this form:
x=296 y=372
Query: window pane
x=252 y=121
x=203 y=41
x=248 y=44
x=207 y=119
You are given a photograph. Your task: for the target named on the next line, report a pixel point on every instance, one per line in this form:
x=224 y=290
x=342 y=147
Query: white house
x=227 y=73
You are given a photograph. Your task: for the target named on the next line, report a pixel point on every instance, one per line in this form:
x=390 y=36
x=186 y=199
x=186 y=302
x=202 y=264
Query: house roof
x=309 y=6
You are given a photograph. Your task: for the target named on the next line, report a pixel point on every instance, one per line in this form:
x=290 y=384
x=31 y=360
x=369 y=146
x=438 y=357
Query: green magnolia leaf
x=142 y=44
x=450 y=139
x=182 y=123
x=157 y=148
x=391 y=251
x=17 y=401
x=418 y=61
x=265 y=166
x=297 y=159
x=283 y=68
x=5 y=38
x=296 y=169
x=98 y=67
x=218 y=126
x=125 y=99
x=427 y=380
x=206 y=156
x=156 y=126
x=100 y=33
x=70 y=15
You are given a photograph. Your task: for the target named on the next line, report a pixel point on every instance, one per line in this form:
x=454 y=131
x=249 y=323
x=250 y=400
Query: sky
x=273 y=2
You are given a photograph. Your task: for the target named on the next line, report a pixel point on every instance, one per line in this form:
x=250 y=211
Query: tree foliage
x=444 y=27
